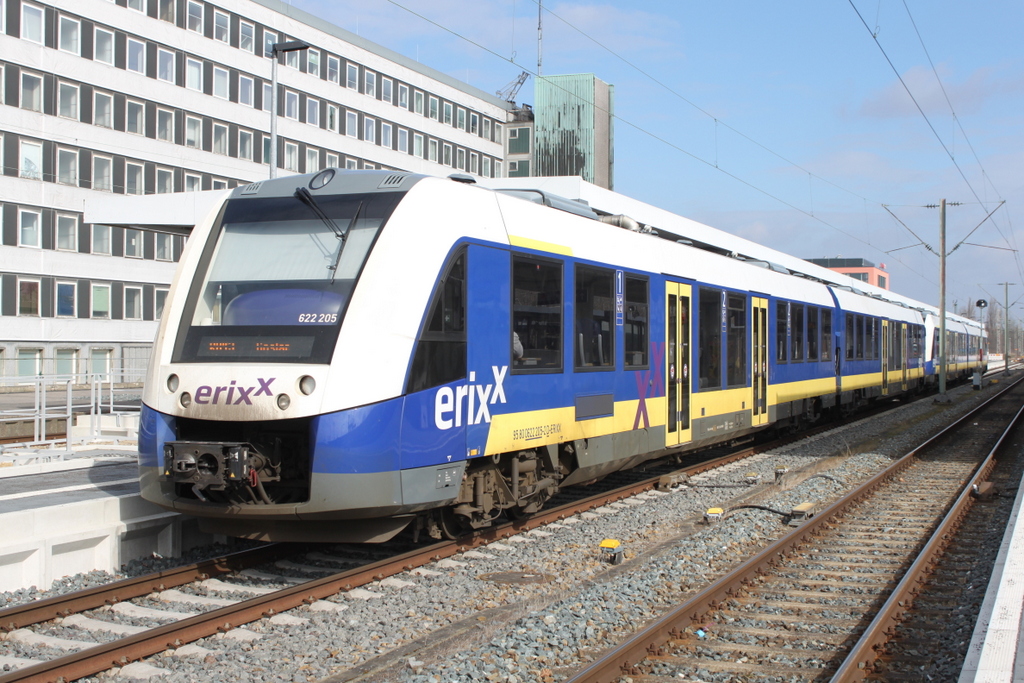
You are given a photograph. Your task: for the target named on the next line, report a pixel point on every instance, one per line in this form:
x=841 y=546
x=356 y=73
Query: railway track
x=821 y=602
x=268 y=601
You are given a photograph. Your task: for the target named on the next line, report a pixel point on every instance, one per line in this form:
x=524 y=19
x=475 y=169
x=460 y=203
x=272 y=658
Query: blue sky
x=780 y=122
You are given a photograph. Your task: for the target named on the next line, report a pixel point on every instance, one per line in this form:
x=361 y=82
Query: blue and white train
x=348 y=353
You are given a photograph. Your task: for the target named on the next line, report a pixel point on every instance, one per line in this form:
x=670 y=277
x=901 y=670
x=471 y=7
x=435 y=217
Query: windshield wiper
x=306 y=198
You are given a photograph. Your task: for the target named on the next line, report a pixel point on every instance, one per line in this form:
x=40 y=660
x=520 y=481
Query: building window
x=352 y=76
x=269 y=38
x=474 y=163
x=28 y=297
x=133 y=179
x=403 y=140
x=66 y=308
x=195 y=17
x=220 y=139
x=312 y=111
x=65 y=359
x=447 y=158
x=312 y=160
x=163 y=247
x=165 y=125
x=474 y=124
x=291 y=105
x=351 y=124
x=246 y=36
x=103 y=110
x=67 y=233
x=32 y=23
x=28 y=228
x=160 y=300
x=67 y=167
x=194 y=74
x=135 y=121
x=518 y=140
x=101 y=301
x=221 y=27
x=447 y=113
x=136 y=60
x=132 y=303
x=417 y=145
x=351 y=164
x=164 y=181
x=291 y=59
x=31 y=91
x=266 y=149
x=220 y=82
x=245 y=144
x=291 y=157
x=166 y=10
x=434 y=103
x=69 y=35
x=193 y=132
x=31 y=160
x=313 y=62
x=30 y=362
x=103 y=46
x=461 y=119
x=268 y=96
x=369 y=129
x=497 y=137
x=193 y=183
x=460 y=156
x=219 y=184
x=100 y=239
x=132 y=243
x=385 y=89
x=485 y=169
x=403 y=96
x=165 y=65
x=487 y=129
x=332 y=118
x=332 y=160
x=246 y=90
x=370 y=84
x=67 y=101
x=385 y=135
x=137 y=5
x=102 y=178
x=432 y=150
x=537 y=313
x=333 y=69
x=99 y=359
x=417 y=102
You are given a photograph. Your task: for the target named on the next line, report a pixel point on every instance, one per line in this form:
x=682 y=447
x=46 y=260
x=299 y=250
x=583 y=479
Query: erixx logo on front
x=469 y=403
x=232 y=394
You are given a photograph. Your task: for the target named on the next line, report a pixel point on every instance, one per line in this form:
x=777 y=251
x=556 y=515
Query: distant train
x=347 y=353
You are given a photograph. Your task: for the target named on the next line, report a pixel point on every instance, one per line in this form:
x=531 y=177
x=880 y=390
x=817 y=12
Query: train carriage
x=347 y=353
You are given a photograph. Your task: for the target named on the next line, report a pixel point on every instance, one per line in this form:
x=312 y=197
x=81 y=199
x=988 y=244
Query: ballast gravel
x=480 y=630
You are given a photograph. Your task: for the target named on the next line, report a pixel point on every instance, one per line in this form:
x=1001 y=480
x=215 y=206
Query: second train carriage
x=346 y=353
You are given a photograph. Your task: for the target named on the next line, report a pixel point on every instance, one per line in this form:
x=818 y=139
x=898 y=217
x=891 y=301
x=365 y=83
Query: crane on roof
x=509 y=92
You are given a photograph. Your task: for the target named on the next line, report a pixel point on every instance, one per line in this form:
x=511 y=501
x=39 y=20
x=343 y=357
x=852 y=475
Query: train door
x=902 y=330
x=886 y=352
x=677 y=363
x=759 y=349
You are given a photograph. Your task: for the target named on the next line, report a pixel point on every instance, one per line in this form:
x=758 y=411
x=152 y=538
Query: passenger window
x=812 y=333
x=859 y=325
x=636 y=322
x=710 y=338
x=796 y=341
x=851 y=336
x=736 y=342
x=595 y=322
x=826 y=334
x=536 y=314
x=440 y=355
x=781 y=329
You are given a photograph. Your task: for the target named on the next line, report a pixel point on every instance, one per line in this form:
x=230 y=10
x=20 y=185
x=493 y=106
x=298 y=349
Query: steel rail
x=621 y=659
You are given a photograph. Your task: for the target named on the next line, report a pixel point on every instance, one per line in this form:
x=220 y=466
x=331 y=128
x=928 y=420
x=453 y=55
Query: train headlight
x=307 y=385
x=186 y=399
x=172 y=383
x=283 y=401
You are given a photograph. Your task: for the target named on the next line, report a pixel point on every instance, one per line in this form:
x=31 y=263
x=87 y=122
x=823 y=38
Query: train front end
x=238 y=390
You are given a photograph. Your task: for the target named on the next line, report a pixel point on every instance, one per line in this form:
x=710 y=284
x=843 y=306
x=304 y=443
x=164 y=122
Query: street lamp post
x=275 y=50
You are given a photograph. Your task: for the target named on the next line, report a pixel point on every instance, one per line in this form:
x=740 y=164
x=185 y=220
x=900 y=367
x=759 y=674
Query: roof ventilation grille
x=252 y=188
x=393 y=180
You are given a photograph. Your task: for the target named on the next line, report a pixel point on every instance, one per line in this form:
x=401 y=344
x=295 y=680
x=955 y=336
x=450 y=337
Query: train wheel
x=452 y=526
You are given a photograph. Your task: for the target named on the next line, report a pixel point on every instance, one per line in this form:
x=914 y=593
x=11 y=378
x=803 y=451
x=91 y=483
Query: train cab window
x=859 y=327
x=826 y=334
x=440 y=355
x=636 y=323
x=736 y=354
x=812 y=333
x=536 y=315
x=709 y=333
x=594 y=332
x=781 y=331
x=796 y=339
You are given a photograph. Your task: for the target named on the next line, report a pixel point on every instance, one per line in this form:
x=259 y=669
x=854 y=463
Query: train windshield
x=274 y=282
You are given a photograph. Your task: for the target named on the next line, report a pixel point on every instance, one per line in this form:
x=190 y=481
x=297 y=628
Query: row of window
x=76 y=299
x=111 y=110
x=96 y=239
x=31 y=362
x=808 y=332
x=105 y=49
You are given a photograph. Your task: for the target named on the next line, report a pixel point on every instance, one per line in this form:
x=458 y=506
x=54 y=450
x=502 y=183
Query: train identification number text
x=318 y=318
